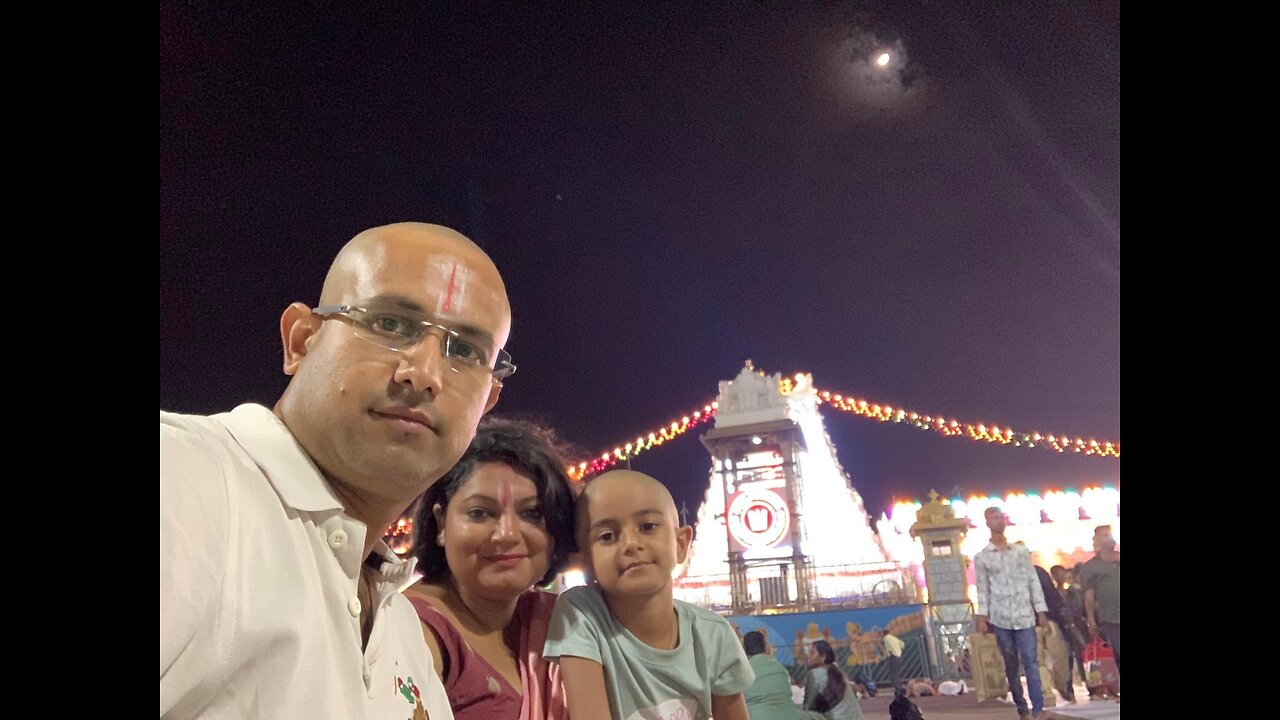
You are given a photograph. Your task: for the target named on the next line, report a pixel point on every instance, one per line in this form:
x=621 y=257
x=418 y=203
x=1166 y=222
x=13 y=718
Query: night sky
x=670 y=191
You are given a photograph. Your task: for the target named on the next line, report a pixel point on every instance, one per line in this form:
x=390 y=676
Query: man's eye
x=463 y=350
x=388 y=324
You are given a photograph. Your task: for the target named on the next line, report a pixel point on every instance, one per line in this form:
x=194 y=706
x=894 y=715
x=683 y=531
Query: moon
x=883 y=59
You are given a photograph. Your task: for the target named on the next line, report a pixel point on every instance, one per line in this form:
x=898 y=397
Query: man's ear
x=298 y=326
x=495 y=389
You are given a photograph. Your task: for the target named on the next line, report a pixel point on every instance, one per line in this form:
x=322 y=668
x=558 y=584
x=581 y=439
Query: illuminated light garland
x=670 y=431
x=949 y=427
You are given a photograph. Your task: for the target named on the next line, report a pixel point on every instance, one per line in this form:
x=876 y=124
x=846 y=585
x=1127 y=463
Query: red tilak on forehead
x=448 y=293
x=505 y=499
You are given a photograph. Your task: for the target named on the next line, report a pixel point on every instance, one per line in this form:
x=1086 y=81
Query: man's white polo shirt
x=259 y=614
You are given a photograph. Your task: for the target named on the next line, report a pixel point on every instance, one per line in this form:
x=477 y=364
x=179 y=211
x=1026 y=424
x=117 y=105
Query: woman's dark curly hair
x=527 y=449
x=837 y=686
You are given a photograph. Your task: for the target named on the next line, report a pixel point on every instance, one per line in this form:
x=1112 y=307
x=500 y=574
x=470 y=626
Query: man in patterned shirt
x=1011 y=603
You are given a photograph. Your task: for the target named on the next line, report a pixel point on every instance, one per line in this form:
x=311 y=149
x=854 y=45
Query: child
x=627 y=649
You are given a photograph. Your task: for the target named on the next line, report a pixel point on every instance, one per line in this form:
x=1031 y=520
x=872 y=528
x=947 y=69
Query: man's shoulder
x=186 y=427
x=410 y=652
x=194 y=451
x=402 y=615
x=1097 y=564
x=202 y=445
x=1089 y=570
x=762 y=664
x=181 y=429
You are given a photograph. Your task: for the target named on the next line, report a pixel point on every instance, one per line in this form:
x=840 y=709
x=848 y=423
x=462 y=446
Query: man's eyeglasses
x=400 y=330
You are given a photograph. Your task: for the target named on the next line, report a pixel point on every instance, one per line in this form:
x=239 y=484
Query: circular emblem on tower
x=758 y=519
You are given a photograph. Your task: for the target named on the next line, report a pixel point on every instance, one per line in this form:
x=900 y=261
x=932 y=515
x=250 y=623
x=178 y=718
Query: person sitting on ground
x=921 y=687
x=769 y=697
x=826 y=690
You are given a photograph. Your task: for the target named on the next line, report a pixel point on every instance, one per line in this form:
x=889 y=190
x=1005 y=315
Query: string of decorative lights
x=643 y=442
x=947 y=427
x=950 y=427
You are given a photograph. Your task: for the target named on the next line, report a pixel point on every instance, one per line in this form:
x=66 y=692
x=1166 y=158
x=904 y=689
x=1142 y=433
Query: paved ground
x=967 y=707
x=1096 y=710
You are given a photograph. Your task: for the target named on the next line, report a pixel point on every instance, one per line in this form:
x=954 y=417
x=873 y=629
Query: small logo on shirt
x=409 y=689
x=678 y=709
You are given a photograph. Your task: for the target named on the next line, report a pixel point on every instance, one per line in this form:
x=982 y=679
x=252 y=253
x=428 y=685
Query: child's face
x=631 y=539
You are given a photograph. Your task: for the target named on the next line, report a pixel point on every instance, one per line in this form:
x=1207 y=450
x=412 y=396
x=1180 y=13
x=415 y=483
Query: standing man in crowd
x=1100 y=576
x=1011 y=603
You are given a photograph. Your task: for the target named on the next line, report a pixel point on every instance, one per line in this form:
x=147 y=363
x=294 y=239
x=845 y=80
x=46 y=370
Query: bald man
x=278 y=597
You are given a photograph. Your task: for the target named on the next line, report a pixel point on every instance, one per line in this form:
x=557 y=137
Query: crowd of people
x=1026 y=610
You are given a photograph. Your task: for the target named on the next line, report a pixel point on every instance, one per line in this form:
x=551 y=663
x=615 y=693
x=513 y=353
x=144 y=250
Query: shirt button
x=338 y=539
x=353 y=607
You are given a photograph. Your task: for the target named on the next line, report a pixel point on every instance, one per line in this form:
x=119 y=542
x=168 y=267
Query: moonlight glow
x=883 y=59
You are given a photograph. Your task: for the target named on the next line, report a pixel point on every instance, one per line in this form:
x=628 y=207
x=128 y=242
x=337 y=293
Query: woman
x=825 y=690
x=497 y=524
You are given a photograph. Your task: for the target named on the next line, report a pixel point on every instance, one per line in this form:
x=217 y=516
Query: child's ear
x=684 y=538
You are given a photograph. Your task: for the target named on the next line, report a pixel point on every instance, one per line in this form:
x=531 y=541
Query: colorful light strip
x=950 y=427
x=653 y=439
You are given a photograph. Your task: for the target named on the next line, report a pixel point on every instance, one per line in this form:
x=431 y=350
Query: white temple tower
x=780 y=525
